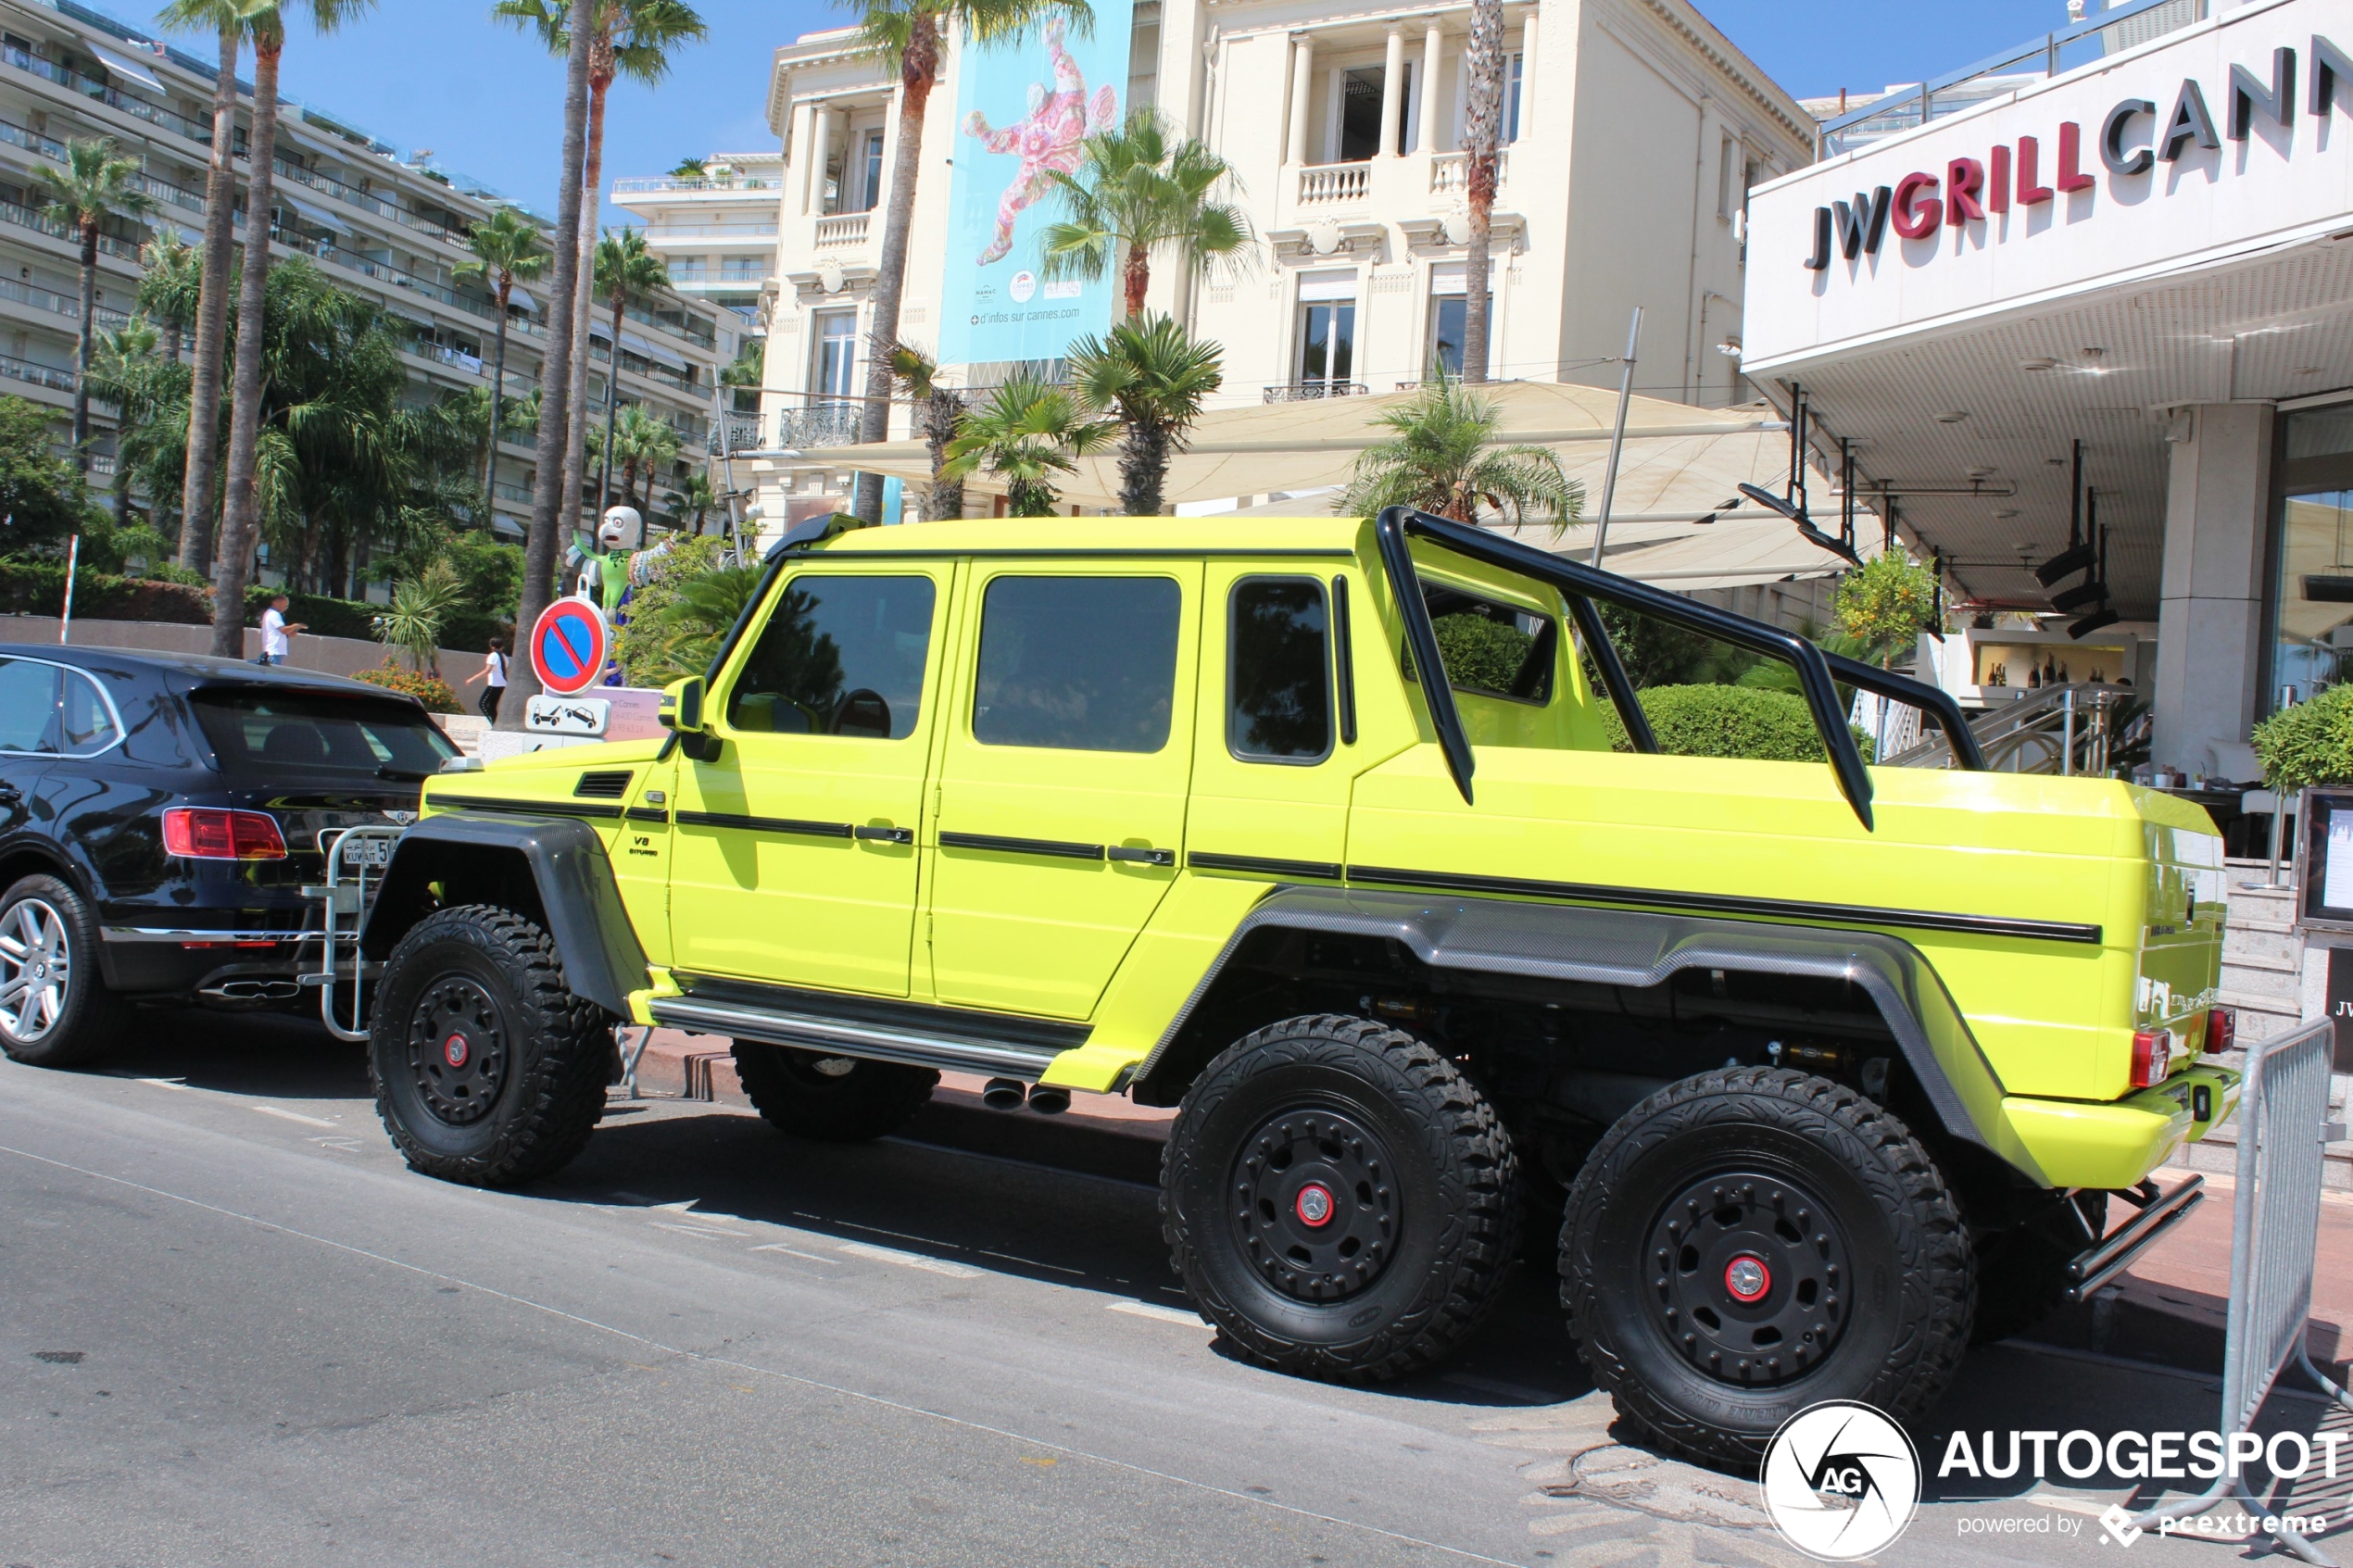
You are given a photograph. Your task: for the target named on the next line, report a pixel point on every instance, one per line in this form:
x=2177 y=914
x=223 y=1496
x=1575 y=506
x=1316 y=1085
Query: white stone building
x=1635 y=131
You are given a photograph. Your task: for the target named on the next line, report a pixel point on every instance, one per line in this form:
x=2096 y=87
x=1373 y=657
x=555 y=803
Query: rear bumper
x=155 y=960
x=2114 y=1144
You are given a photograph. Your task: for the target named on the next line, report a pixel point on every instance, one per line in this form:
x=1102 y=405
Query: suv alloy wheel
x=55 y=1007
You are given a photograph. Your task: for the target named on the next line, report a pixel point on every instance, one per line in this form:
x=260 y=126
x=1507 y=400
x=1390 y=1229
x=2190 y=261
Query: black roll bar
x=1914 y=694
x=1603 y=652
x=1576 y=583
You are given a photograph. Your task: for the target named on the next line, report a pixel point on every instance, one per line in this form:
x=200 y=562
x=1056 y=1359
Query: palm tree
x=644 y=444
x=625 y=266
x=171 y=288
x=506 y=252
x=907 y=34
x=940 y=412
x=1134 y=195
x=239 y=499
x=631 y=37
x=1156 y=376
x=694 y=501
x=1482 y=122
x=689 y=168
x=92 y=183
x=1025 y=434
x=124 y=370
x=1441 y=459
x=230 y=20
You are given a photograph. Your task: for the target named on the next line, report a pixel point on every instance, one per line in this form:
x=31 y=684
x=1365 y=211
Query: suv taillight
x=202 y=833
x=2221 y=1029
x=2152 y=1056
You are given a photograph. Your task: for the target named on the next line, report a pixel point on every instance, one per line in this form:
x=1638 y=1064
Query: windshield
x=259 y=729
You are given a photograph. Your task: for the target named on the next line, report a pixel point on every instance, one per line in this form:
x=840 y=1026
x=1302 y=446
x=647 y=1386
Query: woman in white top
x=494 y=668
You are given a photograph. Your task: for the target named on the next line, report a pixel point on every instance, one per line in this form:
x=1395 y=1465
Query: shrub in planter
x=2309 y=743
x=431 y=690
x=1748 y=722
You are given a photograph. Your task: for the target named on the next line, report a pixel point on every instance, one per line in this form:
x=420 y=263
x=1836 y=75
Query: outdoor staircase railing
x=2059 y=729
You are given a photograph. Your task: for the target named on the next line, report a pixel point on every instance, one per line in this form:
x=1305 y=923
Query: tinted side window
x=87 y=724
x=261 y=731
x=1278 y=680
x=28 y=706
x=840 y=656
x=1077 y=663
x=1491 y=649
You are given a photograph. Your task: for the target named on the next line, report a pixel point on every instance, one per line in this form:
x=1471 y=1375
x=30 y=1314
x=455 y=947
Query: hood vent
x=602 y=786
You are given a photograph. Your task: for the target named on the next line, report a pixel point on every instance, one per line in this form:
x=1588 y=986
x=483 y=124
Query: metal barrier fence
x=2275 y=1232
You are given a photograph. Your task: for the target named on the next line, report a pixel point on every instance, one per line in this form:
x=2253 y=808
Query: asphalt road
x=235 y=1329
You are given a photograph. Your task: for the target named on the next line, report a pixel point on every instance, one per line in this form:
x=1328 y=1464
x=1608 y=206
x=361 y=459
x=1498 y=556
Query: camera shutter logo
x=1840 y=1480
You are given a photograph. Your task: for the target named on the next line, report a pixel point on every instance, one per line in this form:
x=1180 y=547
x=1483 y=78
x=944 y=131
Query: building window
x=869 y=186
x=2311 y=609
x=1510 y=129
x=836 y=351
x=1326 y=361
x=1360 y=113
x=1445 y=341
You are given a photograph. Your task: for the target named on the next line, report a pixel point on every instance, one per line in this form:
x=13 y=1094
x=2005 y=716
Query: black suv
x=159 y=815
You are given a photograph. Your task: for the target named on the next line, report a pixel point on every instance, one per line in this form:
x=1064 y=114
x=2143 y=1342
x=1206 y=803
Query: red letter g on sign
x=1915 y=216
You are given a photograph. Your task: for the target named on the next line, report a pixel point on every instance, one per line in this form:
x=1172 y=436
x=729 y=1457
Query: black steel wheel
x=55 y=1007
x=1339 y=1199
x=830 y=1099
x=1749 y=1242
x=487 y=1069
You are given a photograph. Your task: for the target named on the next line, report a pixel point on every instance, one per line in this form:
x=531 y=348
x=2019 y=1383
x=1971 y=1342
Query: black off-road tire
x=520 y=1099
x=1413 y=1164
x=803 y=1095
x=1818 y=1188
x=90 y=1018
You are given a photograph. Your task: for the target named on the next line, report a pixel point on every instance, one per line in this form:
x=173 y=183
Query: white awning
x=653 y=351
x=517 y=294
x=124 y=66
x=316 y=214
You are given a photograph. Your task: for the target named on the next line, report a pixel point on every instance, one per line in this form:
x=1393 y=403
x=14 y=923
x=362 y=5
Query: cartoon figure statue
x=610 y=572
x=1052 y=139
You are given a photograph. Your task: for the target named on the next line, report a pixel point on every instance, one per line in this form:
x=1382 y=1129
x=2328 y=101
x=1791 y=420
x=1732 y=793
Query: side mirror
x=682 y=714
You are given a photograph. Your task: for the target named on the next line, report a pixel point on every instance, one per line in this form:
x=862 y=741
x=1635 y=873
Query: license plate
x=367 y=852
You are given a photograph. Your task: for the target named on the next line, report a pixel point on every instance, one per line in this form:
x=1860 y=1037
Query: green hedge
x=2309 y=743
x=1749 y=722
x=38 y=587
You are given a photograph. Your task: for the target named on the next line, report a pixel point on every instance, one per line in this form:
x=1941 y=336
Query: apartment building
x=1634 y=131
x=388 y=226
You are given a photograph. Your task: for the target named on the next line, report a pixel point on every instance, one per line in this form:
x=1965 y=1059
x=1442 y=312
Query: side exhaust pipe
x=252 y=991
x=1003 y=1094
x=1048 y=1102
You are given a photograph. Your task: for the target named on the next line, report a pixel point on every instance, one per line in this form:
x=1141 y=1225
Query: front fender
x=555 y=867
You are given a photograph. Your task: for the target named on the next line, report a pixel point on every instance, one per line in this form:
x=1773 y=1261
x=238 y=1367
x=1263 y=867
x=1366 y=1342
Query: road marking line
x=797 y=1252
x=801 y=1380
x=289 y=1116
x=691 y=1230
x=903 y=1235
x=1029 y=1262
x=1158 y=1314
x=180 y=1083
x=906 y=1259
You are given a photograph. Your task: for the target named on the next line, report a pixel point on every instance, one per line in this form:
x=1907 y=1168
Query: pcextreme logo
x=1841 y=1480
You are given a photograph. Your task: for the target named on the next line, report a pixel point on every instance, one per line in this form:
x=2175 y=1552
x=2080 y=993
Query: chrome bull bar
x=2275 y=1231
x=357 y=859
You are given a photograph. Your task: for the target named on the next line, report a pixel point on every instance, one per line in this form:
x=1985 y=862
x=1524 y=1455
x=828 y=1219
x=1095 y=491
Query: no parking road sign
x=568 y=647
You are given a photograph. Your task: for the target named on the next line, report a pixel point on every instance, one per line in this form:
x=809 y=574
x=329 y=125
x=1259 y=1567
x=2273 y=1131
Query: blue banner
x=1023 y=110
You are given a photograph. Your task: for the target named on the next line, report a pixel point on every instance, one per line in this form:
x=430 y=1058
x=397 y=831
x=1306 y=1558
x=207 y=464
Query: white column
x=1393 y=85
x=1526 y=74
x=820 y=148
x=1302 y=67
x=795 y=197
x=2210 y=610
x=889 y=157
x=1428 y=141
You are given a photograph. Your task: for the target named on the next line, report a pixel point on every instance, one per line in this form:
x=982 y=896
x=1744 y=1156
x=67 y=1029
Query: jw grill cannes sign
x=1023 y=112
x=2224 y=138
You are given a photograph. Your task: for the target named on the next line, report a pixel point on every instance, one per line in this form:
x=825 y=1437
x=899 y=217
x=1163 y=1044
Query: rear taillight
x=2221 y=1029
x=201 y=833
x=2152 y=1056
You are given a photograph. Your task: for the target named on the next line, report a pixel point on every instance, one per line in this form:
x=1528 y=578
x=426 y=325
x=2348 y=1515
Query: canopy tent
x=117 y=65
x=1679 y=464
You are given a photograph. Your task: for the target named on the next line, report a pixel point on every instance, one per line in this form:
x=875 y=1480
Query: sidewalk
x=2170 y=1308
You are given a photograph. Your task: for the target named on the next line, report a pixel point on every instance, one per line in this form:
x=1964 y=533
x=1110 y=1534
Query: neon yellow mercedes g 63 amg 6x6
x=1822 y=1066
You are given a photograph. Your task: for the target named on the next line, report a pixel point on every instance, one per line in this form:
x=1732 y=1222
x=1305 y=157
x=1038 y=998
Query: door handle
x=1144 y=857
x=886 y=834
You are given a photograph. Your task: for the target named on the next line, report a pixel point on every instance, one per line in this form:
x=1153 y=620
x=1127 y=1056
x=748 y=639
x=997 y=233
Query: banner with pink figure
x=1022 y=111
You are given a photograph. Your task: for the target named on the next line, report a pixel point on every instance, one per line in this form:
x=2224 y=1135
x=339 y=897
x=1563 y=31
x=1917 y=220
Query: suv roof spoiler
x=1817 y=672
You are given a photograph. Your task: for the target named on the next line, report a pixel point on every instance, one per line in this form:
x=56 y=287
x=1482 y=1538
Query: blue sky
x=440 y=74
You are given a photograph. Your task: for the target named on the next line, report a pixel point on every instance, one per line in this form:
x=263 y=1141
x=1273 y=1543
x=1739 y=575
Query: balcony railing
x=742 y=431
x=2098 y=35
x=1335 y=182
x=680 y=183
x=841 y=228
x=1315 y=390
x=1450 y=172
x=521 y=494
x=27 y=217
x=139 y=108
x=713 y=231
x=64 y=305
x=39 y=375
x=819 y=425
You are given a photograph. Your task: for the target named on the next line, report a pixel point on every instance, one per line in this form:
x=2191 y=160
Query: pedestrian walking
x=277 y=632
x=494 y=669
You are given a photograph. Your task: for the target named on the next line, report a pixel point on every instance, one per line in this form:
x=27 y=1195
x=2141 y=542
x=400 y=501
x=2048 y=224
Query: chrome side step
x=836 y=1037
